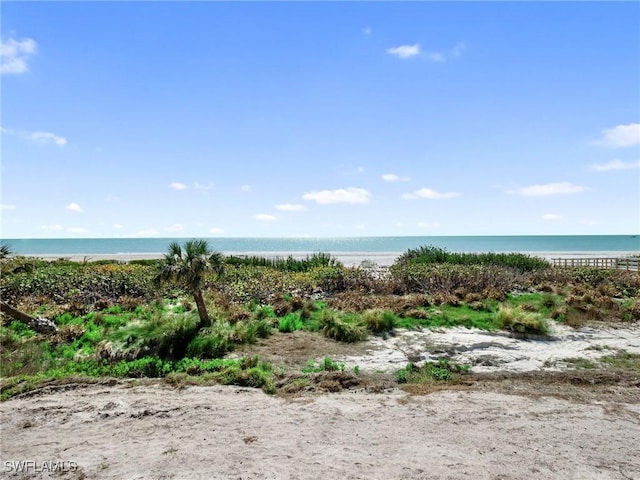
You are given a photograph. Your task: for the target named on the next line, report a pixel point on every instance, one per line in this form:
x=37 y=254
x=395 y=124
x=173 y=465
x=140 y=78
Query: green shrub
x=425 y=255
x=289 y=264
x=338 y=328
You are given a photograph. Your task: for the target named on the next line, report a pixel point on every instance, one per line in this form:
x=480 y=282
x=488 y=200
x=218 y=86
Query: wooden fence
x=630 y=263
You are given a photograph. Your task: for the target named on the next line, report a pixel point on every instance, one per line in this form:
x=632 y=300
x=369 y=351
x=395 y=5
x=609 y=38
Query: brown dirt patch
x=294 y=350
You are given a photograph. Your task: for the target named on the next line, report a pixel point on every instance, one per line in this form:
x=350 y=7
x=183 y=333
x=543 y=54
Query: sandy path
x=153 y=432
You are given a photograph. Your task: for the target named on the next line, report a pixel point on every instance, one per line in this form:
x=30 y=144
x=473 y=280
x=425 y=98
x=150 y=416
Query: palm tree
x=188 y=266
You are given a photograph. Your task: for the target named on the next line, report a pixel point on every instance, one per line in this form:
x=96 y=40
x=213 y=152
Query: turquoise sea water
x=556 y=243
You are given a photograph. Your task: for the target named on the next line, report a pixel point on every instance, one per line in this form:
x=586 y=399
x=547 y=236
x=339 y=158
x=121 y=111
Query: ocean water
x=521 y=243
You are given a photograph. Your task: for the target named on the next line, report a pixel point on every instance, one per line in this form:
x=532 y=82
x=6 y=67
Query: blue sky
x=124 y=119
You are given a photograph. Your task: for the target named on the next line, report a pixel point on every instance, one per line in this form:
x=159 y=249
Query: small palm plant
x=188 y=266
x=5 y=251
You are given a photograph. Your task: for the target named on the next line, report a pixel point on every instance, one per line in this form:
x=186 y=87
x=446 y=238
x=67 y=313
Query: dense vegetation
x=117 y=319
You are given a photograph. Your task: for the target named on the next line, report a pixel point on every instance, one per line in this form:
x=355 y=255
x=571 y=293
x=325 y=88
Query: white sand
x=495 y=351
x=154 y=432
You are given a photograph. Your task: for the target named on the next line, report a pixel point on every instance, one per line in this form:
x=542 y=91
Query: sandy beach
x=152 y=431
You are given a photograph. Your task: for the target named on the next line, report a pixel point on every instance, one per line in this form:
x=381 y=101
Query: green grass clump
x=290 y=323
x=165 y=335
x=327 y=365
x=441 y=371
x=379 y=321
x=519 y=321
x=341 y=327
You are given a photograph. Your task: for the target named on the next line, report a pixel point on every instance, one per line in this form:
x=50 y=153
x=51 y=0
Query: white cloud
x=366 y=31
x=620 y=136
x=14 y=54
x=203 y=186
x=76 y=229
x=427 y=225
x=178 y=186
x=117 y=226
x=551 y=216
x=264 y=217
x=340 y=195
x=360 y=227
x=392 y=177
x=176 y=227
x=74 y=207
x=38 y=137
x=48 y=137
x=559 y=188
x=246 y=188
x=216 y=231
x=430 y=194
x=405 y=51
x=7 y=207
x=52 y=228
x=615 y=165
x=111 y=198
x=291 y=207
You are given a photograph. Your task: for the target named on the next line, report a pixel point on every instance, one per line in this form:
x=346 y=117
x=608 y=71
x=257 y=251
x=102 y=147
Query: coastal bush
x=426 y=255
x=455 y=280
x=289 y=264
x=62 y=283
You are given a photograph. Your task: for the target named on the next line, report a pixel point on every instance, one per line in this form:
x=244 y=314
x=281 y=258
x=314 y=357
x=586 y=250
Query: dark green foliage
x=74 y=282
x=289 y=264
x=426 y=255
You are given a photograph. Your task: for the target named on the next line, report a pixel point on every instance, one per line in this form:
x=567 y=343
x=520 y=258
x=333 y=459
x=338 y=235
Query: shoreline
x=348 y=259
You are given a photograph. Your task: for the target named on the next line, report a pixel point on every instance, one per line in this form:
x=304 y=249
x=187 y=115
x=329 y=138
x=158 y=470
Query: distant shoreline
x=349 y=259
